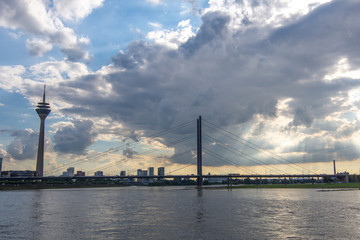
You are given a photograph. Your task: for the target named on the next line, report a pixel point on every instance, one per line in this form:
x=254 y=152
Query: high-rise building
x=0 y=165
x=123 y=173
x=151 y=171
x=69 y=172
x=43 y=110
x=99 y=174
x=161 y=171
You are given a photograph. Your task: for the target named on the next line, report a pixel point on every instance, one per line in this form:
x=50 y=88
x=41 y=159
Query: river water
x=179 y=213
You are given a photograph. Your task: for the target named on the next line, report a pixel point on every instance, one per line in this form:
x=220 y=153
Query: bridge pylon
x=199 y=153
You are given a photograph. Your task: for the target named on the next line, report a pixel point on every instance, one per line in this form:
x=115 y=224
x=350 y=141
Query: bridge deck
x=180 y=176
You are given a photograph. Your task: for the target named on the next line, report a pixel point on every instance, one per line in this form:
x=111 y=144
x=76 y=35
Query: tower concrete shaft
x=43 y=110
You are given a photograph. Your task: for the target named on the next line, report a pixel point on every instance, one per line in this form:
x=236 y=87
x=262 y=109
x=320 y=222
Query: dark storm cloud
x=23 y=145
x=133 y=136
x=75 y=138
x=213 y=27
x=302 y=116
x=228 y=78
x=129 y=153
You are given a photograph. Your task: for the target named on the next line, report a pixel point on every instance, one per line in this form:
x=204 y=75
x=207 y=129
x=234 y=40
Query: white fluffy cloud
x=11 y=77
x=42 y=24
x=75 y=10
x=172 y=38
x=38 y=47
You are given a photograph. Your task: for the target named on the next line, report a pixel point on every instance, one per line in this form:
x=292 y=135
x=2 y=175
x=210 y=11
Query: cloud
x=195 y=9
x=38 y=47
x=156 y=2
x=214 y=26
x=24 y=144
x=347 y=130
x=251 y=78
x=302 y=116
x=74 y=138
x=75 y=10
x=11 y=77
x=172 y=38
x=129 y=153
x=41 y=23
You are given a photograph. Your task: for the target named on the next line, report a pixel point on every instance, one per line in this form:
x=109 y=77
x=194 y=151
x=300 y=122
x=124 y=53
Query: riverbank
x=305 y=185
x=330 y=186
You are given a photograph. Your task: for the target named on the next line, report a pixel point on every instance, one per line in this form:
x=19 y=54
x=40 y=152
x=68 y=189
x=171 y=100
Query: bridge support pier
x=229 y=183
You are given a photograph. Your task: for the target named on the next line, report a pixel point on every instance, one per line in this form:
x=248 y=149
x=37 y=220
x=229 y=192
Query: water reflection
x=178 y=213
x=200 y=207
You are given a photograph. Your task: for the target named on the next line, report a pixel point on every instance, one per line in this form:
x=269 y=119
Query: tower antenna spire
x=44 y=93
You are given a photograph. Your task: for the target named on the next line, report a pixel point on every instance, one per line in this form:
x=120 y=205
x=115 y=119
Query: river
x=179 y=213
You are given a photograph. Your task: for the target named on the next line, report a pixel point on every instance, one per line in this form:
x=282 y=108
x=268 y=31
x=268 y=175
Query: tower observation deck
x=43 y=110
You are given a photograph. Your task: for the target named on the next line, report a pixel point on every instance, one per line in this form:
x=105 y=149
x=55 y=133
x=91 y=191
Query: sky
x=277 y=84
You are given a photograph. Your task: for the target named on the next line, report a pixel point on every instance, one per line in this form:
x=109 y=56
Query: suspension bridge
x=213 y=145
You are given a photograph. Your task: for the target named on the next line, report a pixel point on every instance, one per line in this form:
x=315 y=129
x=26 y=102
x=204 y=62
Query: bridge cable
x=215 y=155
x=111 y=150
x=145 y=152
x=248 y=157
x=277 y=157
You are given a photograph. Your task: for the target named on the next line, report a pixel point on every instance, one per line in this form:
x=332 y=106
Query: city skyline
x=282 y=75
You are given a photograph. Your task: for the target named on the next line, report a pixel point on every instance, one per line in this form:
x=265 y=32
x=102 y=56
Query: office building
x=99 y=174
x=151 y=173
x=79 y=174
x=161 y=171
x=142 y=173
x=69 y=172
x=123 y=173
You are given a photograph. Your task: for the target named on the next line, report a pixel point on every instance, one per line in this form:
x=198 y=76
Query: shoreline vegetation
x=319 y=186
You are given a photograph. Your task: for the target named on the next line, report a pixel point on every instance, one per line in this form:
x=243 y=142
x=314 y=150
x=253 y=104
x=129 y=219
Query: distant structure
x=123 y=173
x=0 y=164
x=69 y=172
x=43 y=110
x=141 y=172
x=18 y=173
x=161 y=171
x=99 y=174
x=151 y=171
x=79 y=174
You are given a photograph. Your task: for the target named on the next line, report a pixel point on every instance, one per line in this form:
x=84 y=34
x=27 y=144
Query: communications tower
x=43 y=110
